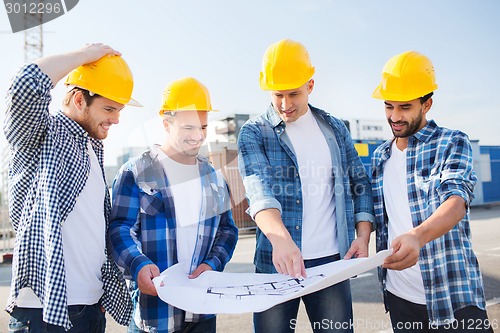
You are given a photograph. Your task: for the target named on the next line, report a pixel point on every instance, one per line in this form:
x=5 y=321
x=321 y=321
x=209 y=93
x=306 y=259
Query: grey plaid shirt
x=48 y=169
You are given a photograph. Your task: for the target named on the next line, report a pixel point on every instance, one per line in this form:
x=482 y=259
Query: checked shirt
x=438 y=165
x=143 y=232
x=48 y=169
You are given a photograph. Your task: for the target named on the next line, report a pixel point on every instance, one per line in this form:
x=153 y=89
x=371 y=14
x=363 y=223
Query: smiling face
x=292 y=104
x=406 y=118
x=95 y=118
x=187 y=132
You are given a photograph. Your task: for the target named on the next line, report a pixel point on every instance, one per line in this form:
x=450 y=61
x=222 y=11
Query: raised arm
x=58 y=66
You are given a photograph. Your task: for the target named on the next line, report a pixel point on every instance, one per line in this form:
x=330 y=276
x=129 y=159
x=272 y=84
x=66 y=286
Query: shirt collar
x=275 y=119
x=426 y=132
x=71 y=125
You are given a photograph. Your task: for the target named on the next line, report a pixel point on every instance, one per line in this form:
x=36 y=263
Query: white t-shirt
x=408 y=283
x=319 y=226
x=83 y=235
x=185 y=184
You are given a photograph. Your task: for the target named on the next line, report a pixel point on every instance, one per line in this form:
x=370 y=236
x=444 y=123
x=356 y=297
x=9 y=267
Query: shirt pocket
x=151 y=201
x=428 y=180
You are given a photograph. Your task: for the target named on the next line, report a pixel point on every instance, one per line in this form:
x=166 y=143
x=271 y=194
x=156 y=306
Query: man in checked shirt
x=171 y=207
x=63 y=277
x=423 y=184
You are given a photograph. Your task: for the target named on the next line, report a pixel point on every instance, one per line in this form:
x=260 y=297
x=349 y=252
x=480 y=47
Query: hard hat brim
x=133 y=102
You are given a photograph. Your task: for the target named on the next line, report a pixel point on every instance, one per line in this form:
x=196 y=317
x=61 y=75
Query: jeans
x=329 y=309
x=205 y=326
x=410 y=317
x=85 y=319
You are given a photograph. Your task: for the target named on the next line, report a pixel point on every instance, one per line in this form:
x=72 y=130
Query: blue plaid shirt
x=438 y=165
x=270 y=175
x=48 y=169
x=143 y=231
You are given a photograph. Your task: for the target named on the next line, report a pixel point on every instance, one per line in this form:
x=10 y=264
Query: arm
x=265 y=209
x=407 y=246
x=286 y=255
x=362 y=198
x=28 y=97
x=123 y=233
x=58 y=66
x=455 y=192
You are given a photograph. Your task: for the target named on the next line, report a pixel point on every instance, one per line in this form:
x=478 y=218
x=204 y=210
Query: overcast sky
x=221 y=43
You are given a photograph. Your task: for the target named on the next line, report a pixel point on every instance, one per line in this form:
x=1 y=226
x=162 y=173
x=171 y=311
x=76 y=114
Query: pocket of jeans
x=16 y=326
x=76 y=311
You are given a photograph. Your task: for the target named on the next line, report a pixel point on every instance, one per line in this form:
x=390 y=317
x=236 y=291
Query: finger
x=303 y=269
x=350 y=253
x=155 y=271
x=290 y=269
x=194 y=275
x=298 y=270
x=277 y=266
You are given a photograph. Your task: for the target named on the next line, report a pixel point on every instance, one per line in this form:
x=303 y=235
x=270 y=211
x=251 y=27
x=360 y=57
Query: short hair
x=425 y=98
x=169 y=116
x=89 y=99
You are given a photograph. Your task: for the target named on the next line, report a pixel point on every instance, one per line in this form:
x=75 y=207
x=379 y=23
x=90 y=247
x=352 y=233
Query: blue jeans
x=329 y=309
x=85 y=319
x=205 y=326
x=410 y=317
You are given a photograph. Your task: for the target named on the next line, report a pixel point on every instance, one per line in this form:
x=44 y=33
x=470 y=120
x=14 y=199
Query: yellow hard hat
x=186 y=94
x=286 y=65
x=405 y=77
x=109 y=77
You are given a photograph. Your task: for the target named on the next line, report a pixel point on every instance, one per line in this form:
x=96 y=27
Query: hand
x=406 y=250
x=95 y=51
x=145 y=279
x=200 y=269
x=287 y=258
x=358 y=249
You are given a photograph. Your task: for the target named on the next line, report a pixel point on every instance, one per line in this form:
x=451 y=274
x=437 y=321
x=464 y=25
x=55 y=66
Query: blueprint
x=219 y=292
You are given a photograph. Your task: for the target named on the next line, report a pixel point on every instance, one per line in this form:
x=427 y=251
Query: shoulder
x=444 y=134
x=328 y=117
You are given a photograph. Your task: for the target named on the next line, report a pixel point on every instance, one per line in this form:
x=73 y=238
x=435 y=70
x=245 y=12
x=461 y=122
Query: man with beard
x=423 y=184
x=170 y=206
x=58 y=198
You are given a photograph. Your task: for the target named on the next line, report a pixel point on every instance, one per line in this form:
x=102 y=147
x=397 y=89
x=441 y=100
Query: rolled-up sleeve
x=457 y=175
x=255 y=170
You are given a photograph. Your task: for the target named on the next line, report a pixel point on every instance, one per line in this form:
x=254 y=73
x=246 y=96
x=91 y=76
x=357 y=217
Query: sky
x=221 y=43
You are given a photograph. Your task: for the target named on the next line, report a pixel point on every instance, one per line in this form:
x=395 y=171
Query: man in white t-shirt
x=170 y=206
x=307 y=189
x=63 y=277
x=423 y=181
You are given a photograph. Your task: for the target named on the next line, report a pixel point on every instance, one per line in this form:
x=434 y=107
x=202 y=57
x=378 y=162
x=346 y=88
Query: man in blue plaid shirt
x=307 y=188
x=423 y=184
x=170 y=206
x=62 y=275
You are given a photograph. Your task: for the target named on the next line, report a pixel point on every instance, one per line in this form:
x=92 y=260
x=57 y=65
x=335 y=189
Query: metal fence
x=6 y=232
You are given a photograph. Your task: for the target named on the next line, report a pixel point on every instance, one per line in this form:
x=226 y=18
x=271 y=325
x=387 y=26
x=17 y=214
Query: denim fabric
x=204 y=326
x=85 y=319
x=410 y=317
x=329 y=309
x=269 y=169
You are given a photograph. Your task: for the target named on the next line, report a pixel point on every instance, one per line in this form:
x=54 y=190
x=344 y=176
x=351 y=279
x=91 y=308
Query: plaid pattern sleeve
x=48 y=170
x=143 y=232
x=439 y=165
